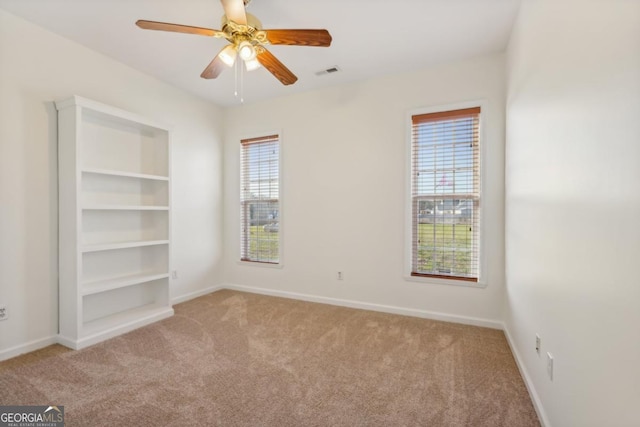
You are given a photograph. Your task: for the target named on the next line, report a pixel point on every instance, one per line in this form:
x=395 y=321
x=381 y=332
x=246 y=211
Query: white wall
x=36 y=68
x=573 y=206
x=344 y=180
x=572 y=194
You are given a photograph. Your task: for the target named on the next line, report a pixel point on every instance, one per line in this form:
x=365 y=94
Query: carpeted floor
x=239 y=359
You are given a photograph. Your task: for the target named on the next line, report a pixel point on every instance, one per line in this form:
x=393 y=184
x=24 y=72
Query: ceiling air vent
x=328 y=71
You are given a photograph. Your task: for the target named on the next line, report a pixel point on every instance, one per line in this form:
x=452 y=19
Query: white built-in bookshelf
x=115 y=217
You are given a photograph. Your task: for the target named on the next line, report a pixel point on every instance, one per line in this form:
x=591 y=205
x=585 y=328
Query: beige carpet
x=239 y=359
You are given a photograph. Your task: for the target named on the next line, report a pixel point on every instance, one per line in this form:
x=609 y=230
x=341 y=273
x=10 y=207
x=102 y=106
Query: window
x=260 y=199
x=445 y=194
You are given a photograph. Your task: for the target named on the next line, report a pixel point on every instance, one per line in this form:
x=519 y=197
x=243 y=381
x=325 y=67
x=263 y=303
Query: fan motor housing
x=252 y=22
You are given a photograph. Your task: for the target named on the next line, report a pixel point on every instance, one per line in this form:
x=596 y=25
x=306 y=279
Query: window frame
x=408 y=228
x=247 y=262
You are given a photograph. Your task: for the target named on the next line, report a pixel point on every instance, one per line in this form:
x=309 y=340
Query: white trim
x=535 y=398
x=196 y=294
x=67 y=342
x=120 y=328
x=27 y=347
x=281 y=198
x=425 y=314
x=484 y=109
x=259 y=264
x=132 y=119
x=448 y=282
x=12 y=352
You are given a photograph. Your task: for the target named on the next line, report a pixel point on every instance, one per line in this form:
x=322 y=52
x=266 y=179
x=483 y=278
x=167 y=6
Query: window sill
x=260 y=264
x=440 y=281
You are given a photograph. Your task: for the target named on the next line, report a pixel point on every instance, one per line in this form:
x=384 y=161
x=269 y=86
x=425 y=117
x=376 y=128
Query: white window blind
x=445 y=194
x=260 y=199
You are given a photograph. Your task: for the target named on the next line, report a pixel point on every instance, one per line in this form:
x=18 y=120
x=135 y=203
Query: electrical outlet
x=4 y=314
x=340 y=275
x=550 y=365
x=537 y=343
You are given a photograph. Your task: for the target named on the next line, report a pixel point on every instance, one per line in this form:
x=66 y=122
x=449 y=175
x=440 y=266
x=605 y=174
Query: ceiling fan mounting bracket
x=237 y=33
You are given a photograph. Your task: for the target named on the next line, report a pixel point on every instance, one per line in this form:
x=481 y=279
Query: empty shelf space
x=124 y=174
x=122 y=320
x=90 y=288
x=126 y=207
x=103 y=191
x=114 y=217
x=123 y=245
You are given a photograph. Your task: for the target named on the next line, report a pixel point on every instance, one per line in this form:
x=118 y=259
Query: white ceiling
x=370 y=37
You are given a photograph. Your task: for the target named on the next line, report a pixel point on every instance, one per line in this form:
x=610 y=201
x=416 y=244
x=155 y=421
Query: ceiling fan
x=247 y=40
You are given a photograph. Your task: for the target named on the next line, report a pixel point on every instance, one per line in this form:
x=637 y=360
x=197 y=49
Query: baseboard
x=27 y=347
x=117 y=330
x=425 y=314
x=537 y=403
x=535 y=398
x=67 y=342
x=196 y=294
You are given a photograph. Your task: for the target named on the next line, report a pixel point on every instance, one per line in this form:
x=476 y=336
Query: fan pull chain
x=241 y=82
x=235 y=80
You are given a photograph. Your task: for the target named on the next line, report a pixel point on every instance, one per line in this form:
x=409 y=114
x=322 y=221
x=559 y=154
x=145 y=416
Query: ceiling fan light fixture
x=246 y=51
x=247 y=39
x=252 y=64
x=228 y=55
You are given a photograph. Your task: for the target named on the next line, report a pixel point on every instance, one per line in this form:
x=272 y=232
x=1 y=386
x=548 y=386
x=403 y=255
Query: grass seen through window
x=263 y=244
x=444 y=248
